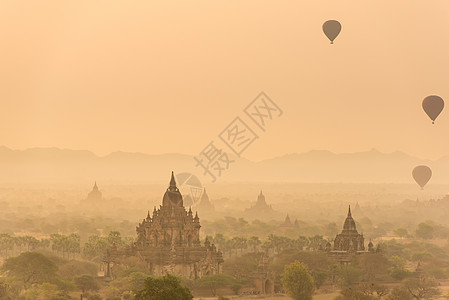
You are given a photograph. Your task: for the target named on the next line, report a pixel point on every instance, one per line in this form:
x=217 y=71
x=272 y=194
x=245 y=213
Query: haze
x=106 y=106
x=164 y=77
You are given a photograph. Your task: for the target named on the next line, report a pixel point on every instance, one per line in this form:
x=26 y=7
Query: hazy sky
x=168 y=76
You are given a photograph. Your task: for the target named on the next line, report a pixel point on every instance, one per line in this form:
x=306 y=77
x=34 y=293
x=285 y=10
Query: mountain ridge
x=55 y=164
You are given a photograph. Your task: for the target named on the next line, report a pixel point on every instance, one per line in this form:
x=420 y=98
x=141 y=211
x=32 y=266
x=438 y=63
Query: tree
x=372 y=266
x=401 y=232
x=254 y=242
x=19 y=242
x=129 y=281
x=228 y=246
x=421 y=287
x=349 y=275
x=381 y=290
x=73 y=244
x=168 y=287
x=95 y=246
x=70 y=269
x=424 y=231
x=302 y=242
x=318 y=263
x=239 y=243
x=316 y=242
x=66 y=244
x=366 y=291
x=6 y=243
x=319 y=278
x=31 y=242
x=30 y=267
x=115 y=238
x=297 y=281
x=356 y=292
x=86 y=283
x=242 y=266
x=7 y=292
x=398 y=270
x=219 y=240
x=45 y=291
x=399 y=293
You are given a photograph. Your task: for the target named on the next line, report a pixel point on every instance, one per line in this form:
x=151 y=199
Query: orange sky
x=168 y=76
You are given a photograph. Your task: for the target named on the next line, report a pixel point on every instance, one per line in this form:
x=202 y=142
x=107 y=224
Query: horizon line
x=373 y=149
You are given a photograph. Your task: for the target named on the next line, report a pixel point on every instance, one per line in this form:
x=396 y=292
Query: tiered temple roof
x=169 y=241
x=349 y=239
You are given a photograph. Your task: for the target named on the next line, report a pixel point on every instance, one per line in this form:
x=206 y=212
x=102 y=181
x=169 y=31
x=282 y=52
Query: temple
x=204 y=205
x=263 y=281
x=349 y=239
x=261 y=209
x=169 y=242
x=287 y=223
x=349 y=242
x=94 y=196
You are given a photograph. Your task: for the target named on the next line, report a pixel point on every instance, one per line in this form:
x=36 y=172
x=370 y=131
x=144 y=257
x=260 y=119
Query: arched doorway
x=268 y=287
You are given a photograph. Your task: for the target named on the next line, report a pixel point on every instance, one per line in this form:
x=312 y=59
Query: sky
x=169 y=76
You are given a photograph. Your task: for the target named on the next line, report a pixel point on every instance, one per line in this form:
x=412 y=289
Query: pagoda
x=168 y=242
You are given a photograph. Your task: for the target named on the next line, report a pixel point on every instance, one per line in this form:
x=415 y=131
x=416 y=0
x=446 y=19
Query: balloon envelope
x=422 y=175
x=433 y=105
x=332 y=29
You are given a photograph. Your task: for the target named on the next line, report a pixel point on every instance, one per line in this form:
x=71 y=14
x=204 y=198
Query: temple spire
x=95 y=185
x=349 y=212
x=172 y=182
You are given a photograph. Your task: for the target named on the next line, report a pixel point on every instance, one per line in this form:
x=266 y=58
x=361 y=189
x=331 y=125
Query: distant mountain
x=325 y=166
x=64 y=165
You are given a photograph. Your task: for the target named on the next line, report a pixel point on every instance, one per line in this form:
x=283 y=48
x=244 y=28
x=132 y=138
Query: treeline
x=13 y=245
x=244 y=256
x=235 y=226
x=273 y=244
x=70 y=246
x=66 y=246
x=46 y=275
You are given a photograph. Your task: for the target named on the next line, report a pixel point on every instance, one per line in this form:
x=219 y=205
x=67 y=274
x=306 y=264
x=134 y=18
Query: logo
x=190 y=187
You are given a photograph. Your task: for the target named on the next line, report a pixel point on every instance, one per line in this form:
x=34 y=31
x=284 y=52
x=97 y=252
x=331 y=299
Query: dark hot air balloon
x=332 y=29
x=433 y=105
x=422 y=175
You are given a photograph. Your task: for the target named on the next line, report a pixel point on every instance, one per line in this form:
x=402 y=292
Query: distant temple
x=288 y=223
x=94 y=196
x=261 y=208
x=358 y=210
x=204 y=205
x=169 y=242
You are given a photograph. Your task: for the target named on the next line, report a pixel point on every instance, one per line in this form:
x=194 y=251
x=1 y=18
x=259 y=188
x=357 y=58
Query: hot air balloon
x=422 y=175
x=332 y=29
x=433 y=105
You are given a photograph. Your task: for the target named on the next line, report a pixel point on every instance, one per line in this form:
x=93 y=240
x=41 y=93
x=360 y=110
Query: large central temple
x=169 y=241
x=349 y=242
x=349 y=239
